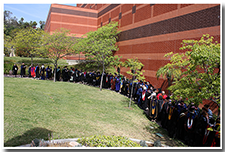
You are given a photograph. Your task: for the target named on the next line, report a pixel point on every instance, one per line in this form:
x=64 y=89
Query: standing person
x=145 y=98
x=189 y=126
x=164 y=95
x=58 y=73
x=42 y=72
x=113 y=83
x=32 y=71
x=65 y=74
x=23 y=68
x=15 y=69
x=153 y=108
x=139 y=92
x=48 y=72
x=200 y=128
x=29 y=71
x=117 y=84
x=37 y=72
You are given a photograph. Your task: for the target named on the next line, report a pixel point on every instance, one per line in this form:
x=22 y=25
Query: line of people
x=34 y=71
x=189 y=123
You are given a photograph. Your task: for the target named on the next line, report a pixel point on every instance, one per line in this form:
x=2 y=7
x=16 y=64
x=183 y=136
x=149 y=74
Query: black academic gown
x=145 y=101
x=164 y=115
x=153 y=109
x=58 y=73
x=199 y=130
x=180 y=126
x=15 y=69
x=37 y=73
x=22 y=72
x=189 y=126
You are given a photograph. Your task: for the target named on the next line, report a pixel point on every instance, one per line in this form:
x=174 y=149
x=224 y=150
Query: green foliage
x=135 y=68
x=195 y=74
x=58 y=45
x=98 y=46
x=107 y=141
x=30 y=40
x=12 y=26
x=135 y=71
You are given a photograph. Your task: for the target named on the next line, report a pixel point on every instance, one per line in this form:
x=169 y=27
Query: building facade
x=148 y=31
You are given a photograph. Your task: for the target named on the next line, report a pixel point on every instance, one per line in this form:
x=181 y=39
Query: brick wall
x=147 y=32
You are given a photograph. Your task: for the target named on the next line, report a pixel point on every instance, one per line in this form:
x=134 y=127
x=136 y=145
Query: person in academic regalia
x=37 y=71
x=110 y=76
x=145 y=98
x=164 y=116
x=139 y=93
x=160 y=103
x=182 y=113
x=200 y=128
x=189 y=126
x=15 y=69
x=180 y=133
x=164 y=95
x=47 y=72
x=82 y=77
x=173 y=122
x=71 y=74
x=90 y=79
x=33 y=71
x=213 y=135
x=104 y=80
x=153 y=108
x=113 y=83
x=96 y=78
x=42 y=72
x=117 y=84
x=29 y=71
x=79 y=76
x=65 y=74
x=58 y=73
x=23 y=69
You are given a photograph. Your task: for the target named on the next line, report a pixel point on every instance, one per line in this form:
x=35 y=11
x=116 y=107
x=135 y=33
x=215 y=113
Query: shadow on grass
x=28 y=136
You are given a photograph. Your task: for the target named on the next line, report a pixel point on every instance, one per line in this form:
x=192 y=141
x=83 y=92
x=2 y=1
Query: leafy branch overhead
x=195 y=73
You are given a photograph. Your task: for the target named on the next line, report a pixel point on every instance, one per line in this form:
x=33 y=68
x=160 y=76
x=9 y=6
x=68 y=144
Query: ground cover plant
x=37 y=108
x=107 y=141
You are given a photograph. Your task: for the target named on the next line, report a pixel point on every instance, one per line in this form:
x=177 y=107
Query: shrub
x=107 y=141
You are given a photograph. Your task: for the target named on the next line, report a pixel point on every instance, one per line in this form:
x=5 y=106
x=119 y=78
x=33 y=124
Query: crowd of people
x=192 y=125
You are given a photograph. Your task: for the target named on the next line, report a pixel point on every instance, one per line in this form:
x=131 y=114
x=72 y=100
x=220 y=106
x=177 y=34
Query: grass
x=36 y=108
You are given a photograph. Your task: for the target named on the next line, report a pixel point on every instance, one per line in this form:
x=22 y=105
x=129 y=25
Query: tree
x=58 y=45
x=10 y=23
x=30 y=40
x=196 y=73
x=135 y=72
x=7 y=45
x=99 y=45
x=42 y=24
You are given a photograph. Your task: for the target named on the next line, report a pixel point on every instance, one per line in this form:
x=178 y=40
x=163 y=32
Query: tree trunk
x=31 y=59
x=103 y=70
x=55 y=70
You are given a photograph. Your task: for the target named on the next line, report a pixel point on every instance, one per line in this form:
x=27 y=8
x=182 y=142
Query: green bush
x=107 y=141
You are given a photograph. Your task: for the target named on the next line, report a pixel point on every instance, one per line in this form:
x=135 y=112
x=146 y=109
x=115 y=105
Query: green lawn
x=35 y=108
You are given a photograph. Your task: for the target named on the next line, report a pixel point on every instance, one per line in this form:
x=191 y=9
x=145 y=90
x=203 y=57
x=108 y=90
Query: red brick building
x=148 y=31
